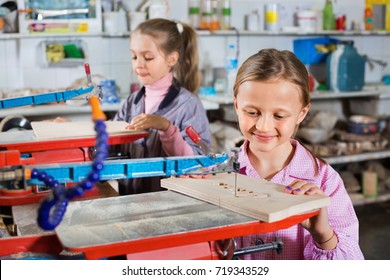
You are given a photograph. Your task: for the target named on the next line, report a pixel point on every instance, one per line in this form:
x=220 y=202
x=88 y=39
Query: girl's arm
x=173 y=142
x=342 y=220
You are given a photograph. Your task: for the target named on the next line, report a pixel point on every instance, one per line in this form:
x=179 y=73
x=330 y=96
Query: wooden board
x=255 y=198
x=62 y=130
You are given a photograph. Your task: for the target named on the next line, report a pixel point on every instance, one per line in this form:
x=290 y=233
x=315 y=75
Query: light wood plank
x=255 y=198
x=63 y=130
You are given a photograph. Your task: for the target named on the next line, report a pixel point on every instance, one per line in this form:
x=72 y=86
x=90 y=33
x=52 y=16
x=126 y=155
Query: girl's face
x=268 y=113
x=148 y=62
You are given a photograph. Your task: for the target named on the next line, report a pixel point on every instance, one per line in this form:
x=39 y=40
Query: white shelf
x=358 y=157
x=318 y=95
x=359 y=199
x=220 y=99
x=5 y=36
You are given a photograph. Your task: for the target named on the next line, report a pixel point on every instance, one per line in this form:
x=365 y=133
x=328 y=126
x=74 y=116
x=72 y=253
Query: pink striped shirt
x=298 y=242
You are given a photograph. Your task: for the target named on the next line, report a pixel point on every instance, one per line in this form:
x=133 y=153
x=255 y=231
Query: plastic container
x=207 y=15
x=110 y=94
x=345 y=68
x=368 y=18
x=231 y=69
x=225 y=14
x=194 y=13
x=271 y=17
x=307 y=20
x=314 y=50
x=363 y=124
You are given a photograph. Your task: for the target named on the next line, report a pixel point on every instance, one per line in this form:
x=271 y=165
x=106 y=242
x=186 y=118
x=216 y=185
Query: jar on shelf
x=271 y=17
x=225 y=12
x=194 y=13
x=207 y=13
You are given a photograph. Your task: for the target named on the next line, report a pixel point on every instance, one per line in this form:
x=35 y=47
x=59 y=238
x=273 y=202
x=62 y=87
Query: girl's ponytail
x=187 y=68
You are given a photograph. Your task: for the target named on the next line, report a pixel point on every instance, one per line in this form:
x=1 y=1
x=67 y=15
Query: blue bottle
x=345 y=68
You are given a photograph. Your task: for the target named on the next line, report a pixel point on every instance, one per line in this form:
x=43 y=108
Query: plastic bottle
x=207 y=13
x=345 y=68
x=368 y=18
x=215 y=24
x=208 y=70
x=328 y=19
x=231 y=69
x=194 y=13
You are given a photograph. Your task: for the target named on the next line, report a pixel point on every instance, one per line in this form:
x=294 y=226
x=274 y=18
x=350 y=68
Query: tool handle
x=87 y=69
x=193 y=134
x=97 y=113
x=88 y=73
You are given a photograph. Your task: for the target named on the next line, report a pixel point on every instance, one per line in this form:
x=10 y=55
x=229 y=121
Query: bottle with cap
x=368 y=18
x=206 y=16
x=194 y=13
x=328 y=19
x=225 y=14
x=231 y=68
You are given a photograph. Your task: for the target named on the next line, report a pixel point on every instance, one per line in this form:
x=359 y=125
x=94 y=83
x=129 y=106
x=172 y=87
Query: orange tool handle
x=97 y=113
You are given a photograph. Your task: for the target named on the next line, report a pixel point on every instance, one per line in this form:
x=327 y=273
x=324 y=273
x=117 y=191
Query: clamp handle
x=88 y=73
x=195 y=137
x=193 y=134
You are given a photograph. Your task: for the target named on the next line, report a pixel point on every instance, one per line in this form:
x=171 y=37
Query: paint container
x=135 y=18
x=115 y=22
x=271 y=17
x=307 y=20
x=252 y=22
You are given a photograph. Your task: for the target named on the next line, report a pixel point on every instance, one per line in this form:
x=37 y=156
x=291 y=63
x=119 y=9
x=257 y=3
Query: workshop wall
x=21 y=65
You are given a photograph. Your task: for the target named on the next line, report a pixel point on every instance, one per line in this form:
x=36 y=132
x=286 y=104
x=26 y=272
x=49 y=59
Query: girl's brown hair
x=273 y=65
x=171 y=36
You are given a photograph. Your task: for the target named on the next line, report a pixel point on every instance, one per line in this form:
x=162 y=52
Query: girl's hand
x=318 y=226
x=144 y=121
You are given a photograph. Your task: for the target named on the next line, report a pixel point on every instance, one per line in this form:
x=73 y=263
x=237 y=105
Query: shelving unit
x=4 y=36
x=330 y=100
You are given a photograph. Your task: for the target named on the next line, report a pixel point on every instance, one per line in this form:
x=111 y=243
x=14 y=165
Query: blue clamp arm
x=43 y=98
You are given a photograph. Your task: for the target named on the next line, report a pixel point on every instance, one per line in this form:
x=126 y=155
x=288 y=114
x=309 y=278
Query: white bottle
x=208 y=70
x=225 y=14
x=231 y=69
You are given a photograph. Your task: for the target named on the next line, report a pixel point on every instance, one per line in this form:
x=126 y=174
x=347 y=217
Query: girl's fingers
x=301 y=188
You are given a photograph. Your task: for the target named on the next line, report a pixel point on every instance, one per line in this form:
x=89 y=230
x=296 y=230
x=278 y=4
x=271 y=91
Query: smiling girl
x=271 y=99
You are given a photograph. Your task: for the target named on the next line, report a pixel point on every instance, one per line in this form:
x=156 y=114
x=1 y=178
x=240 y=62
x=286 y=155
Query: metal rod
x=276 y=245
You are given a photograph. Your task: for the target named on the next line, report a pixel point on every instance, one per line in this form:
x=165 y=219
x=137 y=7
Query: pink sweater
x=172 y=141
x=298 y=241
